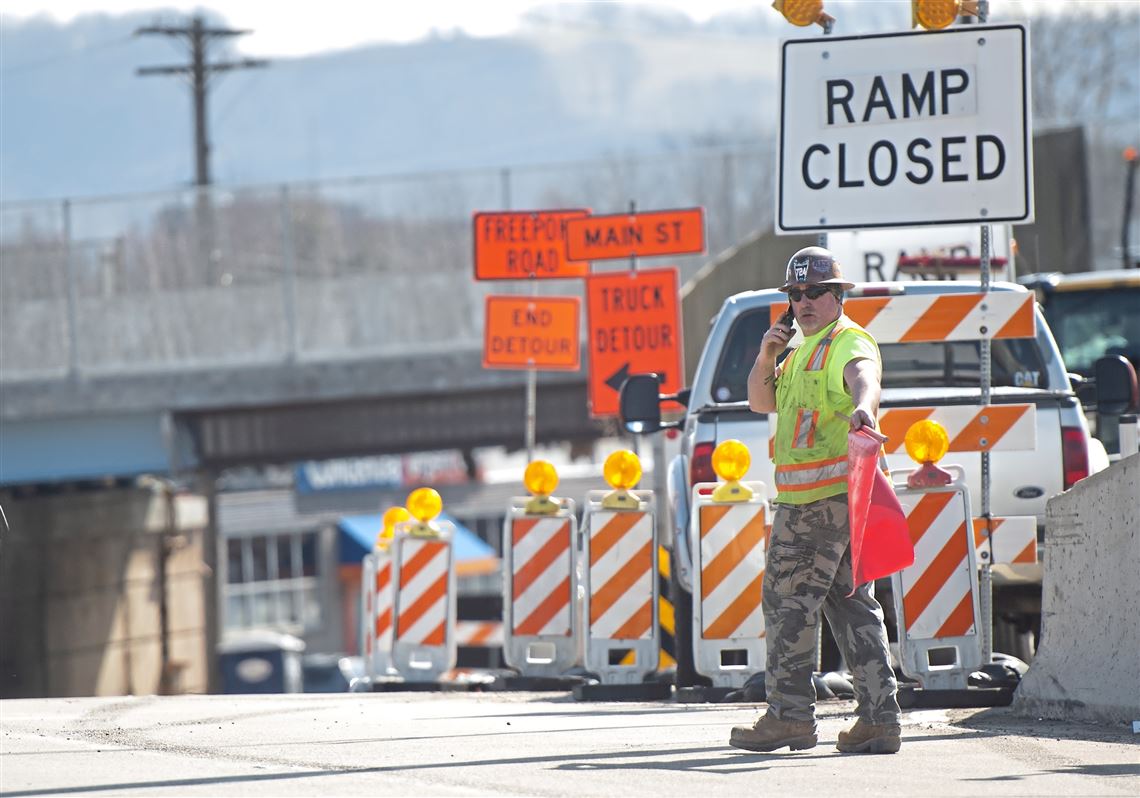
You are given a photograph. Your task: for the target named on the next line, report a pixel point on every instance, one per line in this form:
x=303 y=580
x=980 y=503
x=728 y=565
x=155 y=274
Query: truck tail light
x=1074 y=455
x=700 y=464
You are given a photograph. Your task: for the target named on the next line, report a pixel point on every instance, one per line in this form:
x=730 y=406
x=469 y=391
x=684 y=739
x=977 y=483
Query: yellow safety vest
x=811 y=441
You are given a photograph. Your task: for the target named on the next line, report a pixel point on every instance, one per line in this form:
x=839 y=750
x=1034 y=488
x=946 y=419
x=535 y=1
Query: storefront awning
x=358 y=533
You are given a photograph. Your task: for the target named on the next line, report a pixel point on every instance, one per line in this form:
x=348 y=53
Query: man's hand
x=861 y=418
x=774 y=342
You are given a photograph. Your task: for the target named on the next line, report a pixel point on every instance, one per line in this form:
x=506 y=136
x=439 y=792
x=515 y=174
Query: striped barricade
x=728 y=574
x=936 y=599
x=618 y=575
x=539 y=611
x=381 y=618
x=423 y=576
x=367 y=628
x=911 y=318
x=479 y=634
x=971 y=428
x=1008 y=540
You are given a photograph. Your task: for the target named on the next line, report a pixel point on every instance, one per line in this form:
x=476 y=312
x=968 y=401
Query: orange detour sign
x=532 y=332
x=623 y=235
x=635 y=328
x=515 y=245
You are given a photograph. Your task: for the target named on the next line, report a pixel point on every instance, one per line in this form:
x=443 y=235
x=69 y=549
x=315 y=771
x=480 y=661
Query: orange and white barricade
x=728 y=575
x=479 y=634
x=423 y=579
x=911 y=318
x=618 y=574
x=380 y=628
x=937 y=599
x=367 y=627
x=540 y=620
x=970 y=428
x=1009 y=540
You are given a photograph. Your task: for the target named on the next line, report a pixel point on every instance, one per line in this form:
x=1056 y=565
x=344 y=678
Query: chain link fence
x=319 y=271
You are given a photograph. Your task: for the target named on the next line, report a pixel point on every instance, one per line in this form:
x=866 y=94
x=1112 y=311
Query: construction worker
x=837 y=368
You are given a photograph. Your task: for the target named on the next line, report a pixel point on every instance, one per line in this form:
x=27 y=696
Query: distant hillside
x=581 y=81
x=78 y=121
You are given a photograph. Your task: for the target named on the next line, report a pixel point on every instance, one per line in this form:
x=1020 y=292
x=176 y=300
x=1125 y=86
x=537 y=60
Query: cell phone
x=787 y=318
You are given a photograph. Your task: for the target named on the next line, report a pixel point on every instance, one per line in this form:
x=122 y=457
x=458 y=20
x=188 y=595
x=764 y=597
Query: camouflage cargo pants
x=809 y=567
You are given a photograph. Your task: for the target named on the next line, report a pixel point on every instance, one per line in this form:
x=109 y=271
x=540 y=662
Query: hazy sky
x=284 y=28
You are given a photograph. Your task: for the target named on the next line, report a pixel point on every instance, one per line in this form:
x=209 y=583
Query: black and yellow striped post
x=666 y=620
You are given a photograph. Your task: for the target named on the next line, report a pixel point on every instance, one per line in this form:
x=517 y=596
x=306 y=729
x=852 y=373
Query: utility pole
x=198 y=36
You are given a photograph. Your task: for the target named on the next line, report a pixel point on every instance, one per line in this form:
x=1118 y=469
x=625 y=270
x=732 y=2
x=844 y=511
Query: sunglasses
x=811 y=292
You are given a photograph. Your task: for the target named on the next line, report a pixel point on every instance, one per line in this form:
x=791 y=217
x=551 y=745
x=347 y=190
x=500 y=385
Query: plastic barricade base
x=539 y=684
x=703 y=694
x=644 y=691
x=432 y=686
x=970 y=697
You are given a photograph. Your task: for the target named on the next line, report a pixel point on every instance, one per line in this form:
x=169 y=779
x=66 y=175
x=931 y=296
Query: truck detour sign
x=905 y=129
x=634 y=328
x=532 y=332
x=516 y=245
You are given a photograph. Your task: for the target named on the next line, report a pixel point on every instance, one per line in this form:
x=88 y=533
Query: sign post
x=513 y=245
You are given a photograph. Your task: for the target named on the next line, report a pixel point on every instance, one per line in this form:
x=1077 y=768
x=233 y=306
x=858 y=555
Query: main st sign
x=905 y=129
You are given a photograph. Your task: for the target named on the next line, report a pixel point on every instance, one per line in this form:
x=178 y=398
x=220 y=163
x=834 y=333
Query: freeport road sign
x=634 y=323
x=516 y=245
x=905 y=129
x=532 y=332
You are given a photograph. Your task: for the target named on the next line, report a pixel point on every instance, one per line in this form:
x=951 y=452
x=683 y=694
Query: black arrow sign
x=618 y=378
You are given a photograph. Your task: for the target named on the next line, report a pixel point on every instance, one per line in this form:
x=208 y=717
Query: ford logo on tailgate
x=1029 y=492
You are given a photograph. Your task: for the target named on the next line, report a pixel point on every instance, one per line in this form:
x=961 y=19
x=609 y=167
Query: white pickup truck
x=924 y=374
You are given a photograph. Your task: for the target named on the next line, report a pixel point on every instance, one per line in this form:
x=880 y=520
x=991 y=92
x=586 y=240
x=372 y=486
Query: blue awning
x=358 y=536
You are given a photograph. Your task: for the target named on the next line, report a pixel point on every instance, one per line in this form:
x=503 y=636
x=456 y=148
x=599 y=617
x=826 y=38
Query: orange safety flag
x=880 y=537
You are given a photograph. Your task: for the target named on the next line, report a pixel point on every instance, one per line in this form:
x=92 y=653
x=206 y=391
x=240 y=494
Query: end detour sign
x=532 y=332
x=634 y=328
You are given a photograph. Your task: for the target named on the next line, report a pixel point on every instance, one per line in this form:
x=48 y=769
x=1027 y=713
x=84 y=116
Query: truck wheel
x=682 y=599
x=1014 y=636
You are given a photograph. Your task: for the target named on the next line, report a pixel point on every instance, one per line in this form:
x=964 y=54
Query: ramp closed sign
x=905 y=129
x=635 y=328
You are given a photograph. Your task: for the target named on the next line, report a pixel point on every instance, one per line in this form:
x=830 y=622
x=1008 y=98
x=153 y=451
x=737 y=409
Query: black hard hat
x=814 y=266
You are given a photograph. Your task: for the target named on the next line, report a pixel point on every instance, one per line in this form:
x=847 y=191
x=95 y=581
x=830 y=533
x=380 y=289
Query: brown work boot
x=770 y=733
x=867 y=738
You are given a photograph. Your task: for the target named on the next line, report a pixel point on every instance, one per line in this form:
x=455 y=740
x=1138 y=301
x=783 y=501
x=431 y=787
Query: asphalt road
x=525 y=744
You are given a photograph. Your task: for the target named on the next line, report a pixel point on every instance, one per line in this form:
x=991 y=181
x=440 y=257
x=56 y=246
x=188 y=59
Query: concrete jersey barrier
x=1088 y=664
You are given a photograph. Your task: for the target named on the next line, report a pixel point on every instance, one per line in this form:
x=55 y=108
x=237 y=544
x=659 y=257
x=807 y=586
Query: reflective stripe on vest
x=809 y=476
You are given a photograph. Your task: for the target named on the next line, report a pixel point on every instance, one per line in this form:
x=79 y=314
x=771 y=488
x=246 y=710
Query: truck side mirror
x=1084 y=388
x=1116 y=387
x=640 y=403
